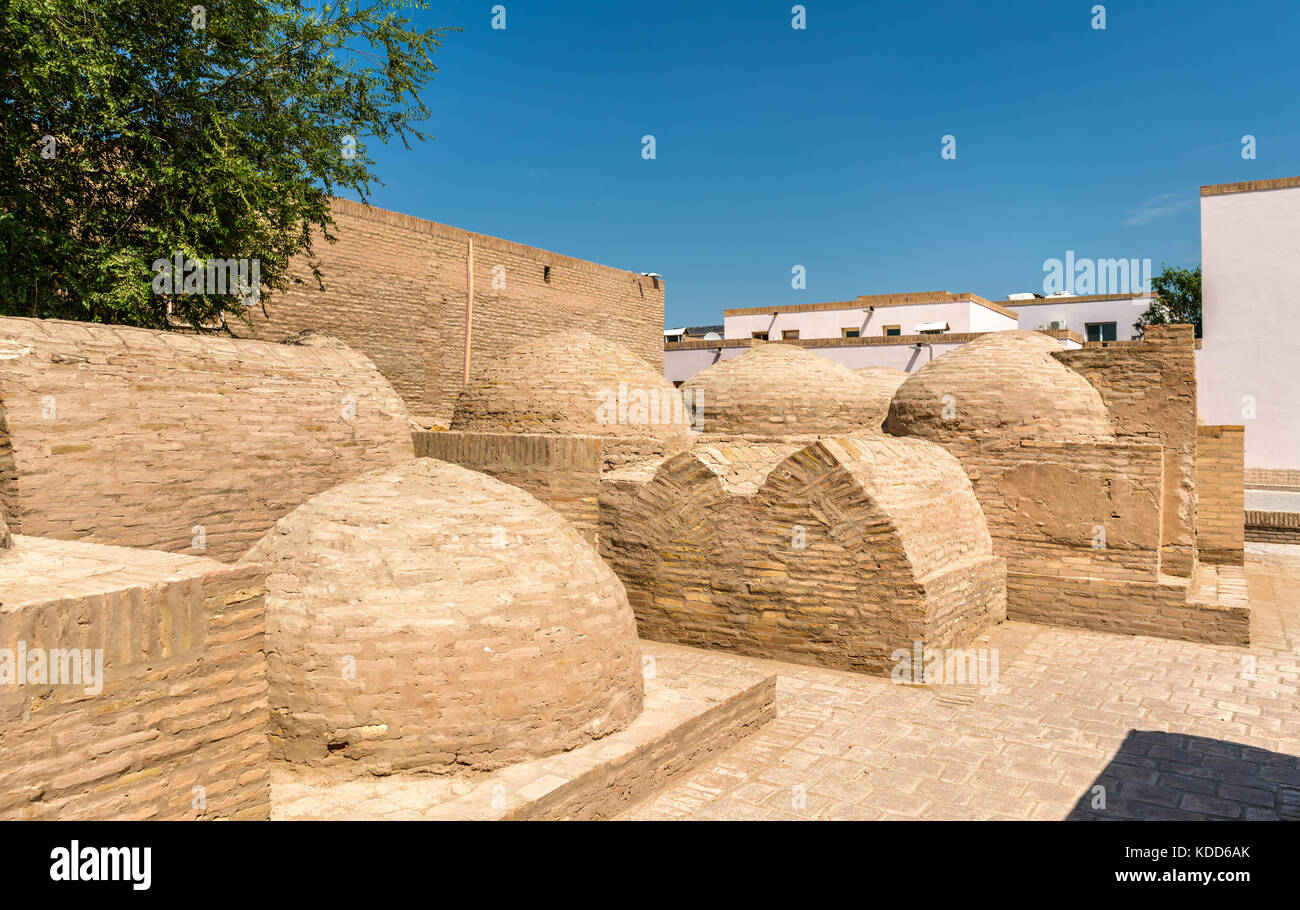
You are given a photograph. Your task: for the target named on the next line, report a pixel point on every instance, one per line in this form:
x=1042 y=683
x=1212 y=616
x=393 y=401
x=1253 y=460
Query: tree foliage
x=137 y=130
x=1177 y=300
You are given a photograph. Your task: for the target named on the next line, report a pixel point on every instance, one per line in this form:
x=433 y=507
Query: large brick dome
x=881 y=384
x=1001 y=388
x=571 y=383
x=783 y=390
x=425 y=617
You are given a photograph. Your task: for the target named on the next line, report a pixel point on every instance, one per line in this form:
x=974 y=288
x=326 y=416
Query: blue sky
x=821 y=147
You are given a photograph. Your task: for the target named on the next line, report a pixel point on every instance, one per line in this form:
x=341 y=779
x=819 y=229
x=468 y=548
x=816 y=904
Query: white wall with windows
x=1099 y=317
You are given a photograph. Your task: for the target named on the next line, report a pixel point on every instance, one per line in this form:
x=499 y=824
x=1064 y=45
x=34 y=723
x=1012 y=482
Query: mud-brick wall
x=1221 y=493
x=395 y=289
x=180 y=442
x=561 y=471
x=1149 y=387
x=179 y=729
x=1073 y=509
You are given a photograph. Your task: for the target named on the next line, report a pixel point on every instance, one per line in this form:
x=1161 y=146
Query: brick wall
x=136 y=438
x=561 y=471
x=1272 y=527
x=1278 y=478
x=184 y=697
x=813 y=553
x=395 y=290
x=1149 y=387
x=1220 y=493
x=1073 y=509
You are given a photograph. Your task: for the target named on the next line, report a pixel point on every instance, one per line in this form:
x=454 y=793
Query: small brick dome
x=571 y=383
x=1001 y=388
x=783 y=390
x=425 y=617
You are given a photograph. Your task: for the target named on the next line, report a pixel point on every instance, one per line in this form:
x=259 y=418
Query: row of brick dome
x=1000 y=384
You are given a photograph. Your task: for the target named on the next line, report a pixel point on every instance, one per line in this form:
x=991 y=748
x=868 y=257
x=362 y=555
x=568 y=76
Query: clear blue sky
x=821 y=147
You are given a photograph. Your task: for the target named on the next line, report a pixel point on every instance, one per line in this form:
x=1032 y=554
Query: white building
x=904 y=331
x=1097 y=317
x=1248 y=368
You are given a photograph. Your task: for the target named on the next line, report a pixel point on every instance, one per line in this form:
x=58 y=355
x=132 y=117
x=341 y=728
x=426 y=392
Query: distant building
x=903 y=331
x=1097 y=317
x=694 y=332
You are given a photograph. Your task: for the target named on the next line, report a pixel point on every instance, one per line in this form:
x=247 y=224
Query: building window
x=789 y=334
x=1101 y=331
x=931 y=332
x=758 y=336
x=546 y=274
x=891 y=330
x=850 y=333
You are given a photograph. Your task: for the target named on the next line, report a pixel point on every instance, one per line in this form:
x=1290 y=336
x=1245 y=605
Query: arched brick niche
x=836 y=552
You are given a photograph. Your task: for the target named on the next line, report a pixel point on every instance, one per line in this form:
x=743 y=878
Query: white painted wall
x=1078 y=313
x=961 y=316
x=681 y=365
x=1250 y=257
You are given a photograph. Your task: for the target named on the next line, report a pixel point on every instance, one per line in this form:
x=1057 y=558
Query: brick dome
x=783 y=390
x=425 y=617
x=571 y=383
x=1001 y=388
x=881 y=383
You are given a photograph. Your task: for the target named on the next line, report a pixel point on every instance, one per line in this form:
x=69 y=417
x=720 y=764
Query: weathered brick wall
x=1272 y=527
x=810 y=552
x=1281 y=478
x=184 y=697
x=395 y=290
x=1159 y=609
x=1149 y=387
x=561 y=471
x=1221 y=493
x=1073 y=509
x=136 y=438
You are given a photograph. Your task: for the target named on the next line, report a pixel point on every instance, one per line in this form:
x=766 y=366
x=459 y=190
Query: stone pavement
x=1169 y=729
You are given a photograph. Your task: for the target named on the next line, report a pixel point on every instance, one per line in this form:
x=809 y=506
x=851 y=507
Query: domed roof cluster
x=783 y=390
x=425 y=617
x=881 y=384
x=571 y=383
x=1002 y=387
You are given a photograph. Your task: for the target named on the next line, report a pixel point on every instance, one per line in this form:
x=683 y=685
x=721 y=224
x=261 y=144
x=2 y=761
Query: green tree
x=132 y=131
x=1177 y=300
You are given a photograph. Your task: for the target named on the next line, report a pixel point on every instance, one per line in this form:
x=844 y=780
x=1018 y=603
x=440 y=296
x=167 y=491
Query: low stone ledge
x=690 y=715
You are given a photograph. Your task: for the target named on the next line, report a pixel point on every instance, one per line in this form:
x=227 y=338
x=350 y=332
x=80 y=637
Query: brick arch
x=850 y=595
x=895 y=550
x=669 y=564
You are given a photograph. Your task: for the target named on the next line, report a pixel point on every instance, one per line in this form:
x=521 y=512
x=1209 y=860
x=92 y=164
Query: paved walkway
x=1168 y=730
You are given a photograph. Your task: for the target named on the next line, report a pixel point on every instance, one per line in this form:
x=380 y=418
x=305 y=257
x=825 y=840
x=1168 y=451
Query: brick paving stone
x=1218 y=737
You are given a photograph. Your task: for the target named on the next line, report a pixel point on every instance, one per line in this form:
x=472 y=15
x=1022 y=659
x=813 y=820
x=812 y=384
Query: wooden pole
x=469 y=308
